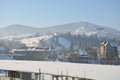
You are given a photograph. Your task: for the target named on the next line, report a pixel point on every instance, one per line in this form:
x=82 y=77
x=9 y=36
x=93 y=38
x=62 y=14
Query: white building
x=83 y=53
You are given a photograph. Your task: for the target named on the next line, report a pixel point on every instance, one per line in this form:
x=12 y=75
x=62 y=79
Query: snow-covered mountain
x=74 y=28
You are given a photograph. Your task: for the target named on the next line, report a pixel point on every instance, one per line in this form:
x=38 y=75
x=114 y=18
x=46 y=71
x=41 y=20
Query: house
x=119 y=51
x=108 y=50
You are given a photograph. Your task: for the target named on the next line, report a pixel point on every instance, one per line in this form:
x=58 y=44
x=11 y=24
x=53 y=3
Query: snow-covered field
x=93 y=71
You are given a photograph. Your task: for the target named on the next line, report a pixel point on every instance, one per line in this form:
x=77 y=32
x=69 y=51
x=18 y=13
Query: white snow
x=82 y=30
x=34 y=41
x=48 y=40
x=93 y=71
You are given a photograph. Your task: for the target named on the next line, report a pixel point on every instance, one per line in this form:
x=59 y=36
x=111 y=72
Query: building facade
x=108 y=50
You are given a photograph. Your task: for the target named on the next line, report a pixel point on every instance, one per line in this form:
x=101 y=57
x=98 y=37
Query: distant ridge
x=16 y=29
x=75 y=28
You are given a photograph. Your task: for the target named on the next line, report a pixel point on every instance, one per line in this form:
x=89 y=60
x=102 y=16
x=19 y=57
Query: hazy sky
x=43 y=13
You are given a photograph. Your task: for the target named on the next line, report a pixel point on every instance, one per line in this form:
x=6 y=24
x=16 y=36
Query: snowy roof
x=113 y=44
x=104 y=43
x=93 y=71
x=83 y=52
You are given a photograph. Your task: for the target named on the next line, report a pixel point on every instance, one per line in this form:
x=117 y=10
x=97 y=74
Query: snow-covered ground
x=48 y=40
x=93 y=71
x=34 y=41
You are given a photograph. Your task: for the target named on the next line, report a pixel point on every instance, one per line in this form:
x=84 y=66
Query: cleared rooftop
x=93 y=71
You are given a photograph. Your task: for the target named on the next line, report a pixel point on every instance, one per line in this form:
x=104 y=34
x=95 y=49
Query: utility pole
x=99 y=31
